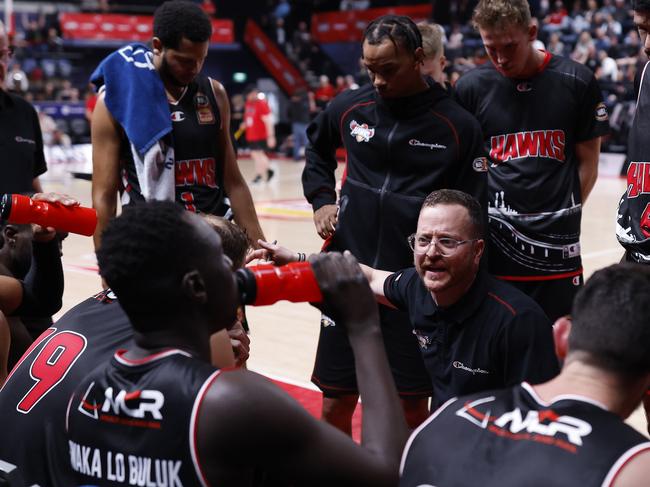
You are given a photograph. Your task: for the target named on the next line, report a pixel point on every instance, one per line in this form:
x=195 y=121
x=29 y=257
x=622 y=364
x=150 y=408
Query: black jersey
x=513 y=438
x=633 y=219
x=199 y=163
x=531 y=128
x=34 y=398
x=136 y=420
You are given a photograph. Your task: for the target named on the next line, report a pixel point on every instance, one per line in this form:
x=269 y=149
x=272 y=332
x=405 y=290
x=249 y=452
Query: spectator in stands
x=555 y=45
x=325 y=91
x=299 y=116
x=17 y=81
x=608 y=70
x=67 y=92
x=582 y=48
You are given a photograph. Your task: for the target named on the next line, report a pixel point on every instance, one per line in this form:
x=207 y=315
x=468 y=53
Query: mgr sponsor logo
x=543 y=426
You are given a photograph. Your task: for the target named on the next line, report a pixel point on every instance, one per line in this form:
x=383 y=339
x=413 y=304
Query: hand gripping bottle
x=16 y=208
x=266 y=284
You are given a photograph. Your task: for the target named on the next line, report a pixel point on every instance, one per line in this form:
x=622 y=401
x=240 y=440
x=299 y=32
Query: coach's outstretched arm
x=246 y=422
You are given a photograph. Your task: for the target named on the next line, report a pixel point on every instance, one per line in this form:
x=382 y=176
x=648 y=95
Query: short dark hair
x=234 y=240
x=144 y=254
x=455 y=197
x=490 y=14
x=401 y=30
x=176 y=19
x=641 y=5
x=611 y=320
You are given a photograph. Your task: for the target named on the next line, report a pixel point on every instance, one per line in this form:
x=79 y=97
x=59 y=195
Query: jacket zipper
x=382 y=193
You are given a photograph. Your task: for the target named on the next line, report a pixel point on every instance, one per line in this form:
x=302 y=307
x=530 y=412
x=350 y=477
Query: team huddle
x=453 y=300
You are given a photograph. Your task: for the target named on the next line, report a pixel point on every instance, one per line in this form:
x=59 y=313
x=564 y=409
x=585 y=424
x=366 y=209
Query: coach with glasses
x=21 y=143
x=475 y=332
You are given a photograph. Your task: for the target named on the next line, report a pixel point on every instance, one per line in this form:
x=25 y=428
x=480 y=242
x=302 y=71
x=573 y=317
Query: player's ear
x=419 y=56
x=194 y=287
x=157 y=46
x=561 y=332
x=532 y=31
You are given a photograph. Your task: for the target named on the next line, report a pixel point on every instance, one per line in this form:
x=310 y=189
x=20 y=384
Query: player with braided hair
x=404 y=137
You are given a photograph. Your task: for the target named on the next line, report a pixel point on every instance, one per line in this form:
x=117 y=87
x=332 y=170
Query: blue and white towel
x=135 y=97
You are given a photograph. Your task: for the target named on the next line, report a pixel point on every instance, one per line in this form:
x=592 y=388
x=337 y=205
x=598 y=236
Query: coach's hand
x=45 y=234
x=325 y=219
x=347 y=297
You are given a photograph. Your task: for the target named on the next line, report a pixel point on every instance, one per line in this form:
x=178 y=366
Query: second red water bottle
x=266 y=284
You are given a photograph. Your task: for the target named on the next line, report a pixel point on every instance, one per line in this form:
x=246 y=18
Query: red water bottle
x=17 y=208
x=266 y=284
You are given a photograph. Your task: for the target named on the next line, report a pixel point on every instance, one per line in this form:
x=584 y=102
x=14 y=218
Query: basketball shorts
x=554 y=296
x=334 y=368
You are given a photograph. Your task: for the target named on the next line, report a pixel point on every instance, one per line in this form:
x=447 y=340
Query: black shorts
x=334 y=368
x=257 y=145
x=554 y=296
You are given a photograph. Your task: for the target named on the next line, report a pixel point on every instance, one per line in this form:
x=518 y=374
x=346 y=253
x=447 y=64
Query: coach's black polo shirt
x=494 y=337
x=21 y=145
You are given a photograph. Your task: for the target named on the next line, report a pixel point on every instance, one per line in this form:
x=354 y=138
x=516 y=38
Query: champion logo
x=177 y=116
x=361 y=132
x=462 y=366
x=20 y=139
x=524 y=87
x=601 y=112
x=417 y=143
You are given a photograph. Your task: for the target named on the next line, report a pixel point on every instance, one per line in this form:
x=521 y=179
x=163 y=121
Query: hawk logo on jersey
x=638 y=179
x=543 y=426
x=177 y=116
x=113 y=407
x=361 y=132
x=480 y=164
x=549 y=144
x=423 y=340
x=601 y=112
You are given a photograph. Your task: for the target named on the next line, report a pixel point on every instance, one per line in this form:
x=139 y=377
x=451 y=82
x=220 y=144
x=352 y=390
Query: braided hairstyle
x=401 y=31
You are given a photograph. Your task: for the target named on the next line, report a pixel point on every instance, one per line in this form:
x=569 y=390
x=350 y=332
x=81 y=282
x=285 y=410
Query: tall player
x=542 y=118
x=159 y=411
x=404 y=138
x=633 y=219
x=206 y=170
x=568 y=431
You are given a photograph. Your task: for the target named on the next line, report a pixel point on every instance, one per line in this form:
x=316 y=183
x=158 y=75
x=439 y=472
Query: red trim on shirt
x=564 y=275
x=507 y=305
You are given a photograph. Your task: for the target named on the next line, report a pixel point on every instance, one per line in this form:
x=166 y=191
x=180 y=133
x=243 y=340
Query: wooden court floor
x=284 y=336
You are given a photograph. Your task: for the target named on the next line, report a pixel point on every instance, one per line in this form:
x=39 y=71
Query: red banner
x=128 y=28
x=287 y=76
x=348 y=26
